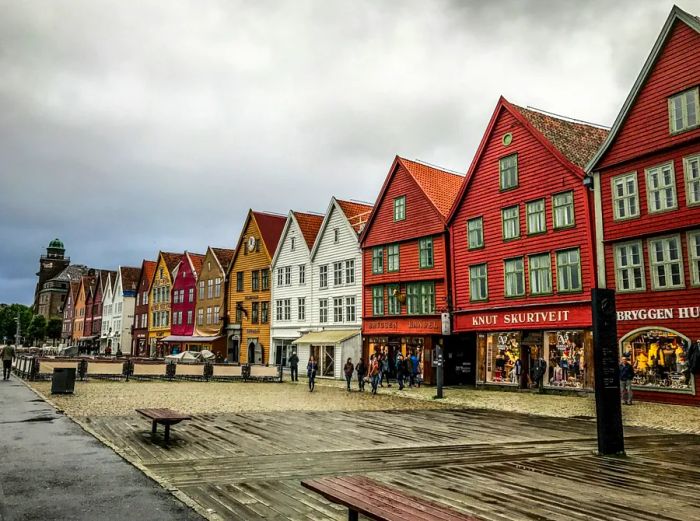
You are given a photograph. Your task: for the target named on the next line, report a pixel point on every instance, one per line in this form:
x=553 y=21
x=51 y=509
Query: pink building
x=183 y=301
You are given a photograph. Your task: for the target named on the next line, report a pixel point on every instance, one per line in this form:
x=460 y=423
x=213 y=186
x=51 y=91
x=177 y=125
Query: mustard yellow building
x=159 y=301
x=248 y=310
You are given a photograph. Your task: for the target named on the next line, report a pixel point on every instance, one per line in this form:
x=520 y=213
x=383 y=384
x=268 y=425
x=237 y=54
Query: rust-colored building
x=139 y=334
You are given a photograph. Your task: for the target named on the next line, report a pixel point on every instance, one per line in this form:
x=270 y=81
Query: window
x=350 y=271
x=336 y=235
x=255 y=312
x=210 y=288
x=514 y=272
x=378 y=300
x=569 y=270
x=475 y=233
x=323 y=310
x=378 y=260
x=478 y=282
x=265 y=276
x=302 y=274
x=563 y=208
x=509 y=171
x=280 y=276
x=629 y=267
x=338 y=309
x=288 y=309
x=287 y=275
x=400 y=208
x=412 y=299
x=511 y=222
x=666 y=263
x=239 y=281
x=239 y=312
x=217 y=287
x=278 y=309
x=350 y=314
x=323 y=277
x=190 y=295
x=264 y=312
x=535 y=217
x=425 y=251
x=175 y=296
x=392 y=257
x=189 y=317
x=694 y=257
x=625 y=196
x=337 y=273
x=420 y=298
x=661 y=188
x=683 y=110
x=540 y=274
x=301 y=308
x=393 y=299
x=216 y=318
x=182 y=295
x=255 y=280
x=208 y=315
x=691 y=166
x=292 y=243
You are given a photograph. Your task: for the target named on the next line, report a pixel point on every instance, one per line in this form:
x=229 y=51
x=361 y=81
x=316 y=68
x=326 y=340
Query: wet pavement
x=51 y=469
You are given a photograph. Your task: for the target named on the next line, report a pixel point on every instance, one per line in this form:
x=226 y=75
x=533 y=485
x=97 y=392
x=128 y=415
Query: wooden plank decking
x=492 y=465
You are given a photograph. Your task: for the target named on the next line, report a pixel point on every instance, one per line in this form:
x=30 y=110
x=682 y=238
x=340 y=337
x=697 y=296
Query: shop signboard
x=556 y=317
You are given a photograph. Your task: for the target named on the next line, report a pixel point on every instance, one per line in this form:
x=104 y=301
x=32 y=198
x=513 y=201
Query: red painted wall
x=140 y=308
x=186 y=279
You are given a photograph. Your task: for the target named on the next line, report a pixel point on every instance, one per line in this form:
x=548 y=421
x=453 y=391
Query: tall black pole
x=439 y=370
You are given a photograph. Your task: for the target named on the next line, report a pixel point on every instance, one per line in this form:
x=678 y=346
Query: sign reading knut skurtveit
x=571 y=316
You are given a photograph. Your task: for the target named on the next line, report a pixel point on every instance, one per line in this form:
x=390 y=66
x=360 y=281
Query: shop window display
x=566 y=362
x=502 y=351
x=659 y=358
x=407 y=346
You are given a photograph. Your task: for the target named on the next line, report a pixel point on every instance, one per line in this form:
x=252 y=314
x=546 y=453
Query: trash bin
x=63 y=380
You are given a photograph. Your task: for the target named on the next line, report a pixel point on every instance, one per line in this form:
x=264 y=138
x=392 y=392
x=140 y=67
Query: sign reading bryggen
x=659 y=313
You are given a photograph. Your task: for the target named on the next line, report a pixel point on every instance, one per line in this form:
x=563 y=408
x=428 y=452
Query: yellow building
x=248 y=310
x=159 y=301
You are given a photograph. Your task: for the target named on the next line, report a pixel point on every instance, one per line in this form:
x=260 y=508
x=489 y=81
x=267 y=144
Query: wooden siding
x=540 y=176
x=247 y=262
x=647 y=125
x=143 y=288
x=186 y=279
x=79 y=312
x=161 y=278
x=210 y=271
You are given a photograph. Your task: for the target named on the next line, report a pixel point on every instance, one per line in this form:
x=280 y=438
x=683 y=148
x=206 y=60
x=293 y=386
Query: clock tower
x=50 y=265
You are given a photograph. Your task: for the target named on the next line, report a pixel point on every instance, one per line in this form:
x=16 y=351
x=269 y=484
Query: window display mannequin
x=500 y=366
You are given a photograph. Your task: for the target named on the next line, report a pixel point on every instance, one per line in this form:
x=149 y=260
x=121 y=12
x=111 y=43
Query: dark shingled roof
x=197 y=259
x=578 y=142
x=225 y=256
x=148 y=270
x=309 y=224
x=171 y=260
x=130 y=277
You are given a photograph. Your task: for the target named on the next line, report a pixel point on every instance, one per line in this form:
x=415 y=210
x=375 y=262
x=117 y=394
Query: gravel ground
x=112 y=398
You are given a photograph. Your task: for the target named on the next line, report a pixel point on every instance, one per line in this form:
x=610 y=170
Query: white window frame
x=302 y=274
x=515 y=218
x=686 y=125
x=301 y=308
x=690 y=199
x=629 y=268
x=694 y=258
x=626 y=196
x=563 y=207
x=287 y=275
x=350 y=271
x=540 y=215
x=513 y=276
x=537 y=272
x=350 y=309
x=323 y=311
x=337 y=274
x=338 y=311
x=508 y=173
x=485 y=277
x=323 y=276
x=653 y=264
x=287 y=303
x=475 y=230
x=663 y=207
x=560 y=272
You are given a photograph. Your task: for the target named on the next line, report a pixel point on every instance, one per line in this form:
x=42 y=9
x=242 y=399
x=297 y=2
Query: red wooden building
x=405 y=258
x=522 y=249
x=646 y=180
x=139 y=333
x=183 y=303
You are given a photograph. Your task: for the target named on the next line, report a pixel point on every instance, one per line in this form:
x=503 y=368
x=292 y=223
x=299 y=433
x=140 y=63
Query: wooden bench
x=377 y=501
x=165 y=417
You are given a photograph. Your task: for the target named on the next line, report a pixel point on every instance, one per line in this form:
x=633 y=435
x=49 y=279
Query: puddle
x=40 y=419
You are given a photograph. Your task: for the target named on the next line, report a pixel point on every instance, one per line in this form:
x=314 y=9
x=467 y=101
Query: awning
x=93 y=337
x=327 y=337
x=189 y=339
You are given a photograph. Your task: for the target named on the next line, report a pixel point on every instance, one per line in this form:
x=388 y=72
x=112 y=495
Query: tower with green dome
x=50 y=264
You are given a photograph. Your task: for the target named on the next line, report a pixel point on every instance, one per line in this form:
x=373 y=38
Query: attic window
x=683 y=110
x=400 y=208
x=336 y=235
x=508 y=168
x=292 y=241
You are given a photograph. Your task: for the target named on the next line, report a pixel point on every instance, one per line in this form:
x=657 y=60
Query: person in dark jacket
x=400 y=370
x=626 y=376
x=7 y=354
x=311 y=369
x=294 y=366
x=361 y=371
x=348 y=370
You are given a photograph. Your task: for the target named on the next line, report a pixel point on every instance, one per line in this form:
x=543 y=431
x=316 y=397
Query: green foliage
x=54 y=328
x=8 y=318
x=37 y=329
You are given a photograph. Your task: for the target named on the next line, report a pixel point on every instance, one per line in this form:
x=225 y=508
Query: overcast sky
x=128 y=127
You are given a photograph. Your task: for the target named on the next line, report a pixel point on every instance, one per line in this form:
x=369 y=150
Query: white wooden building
x=118 y=310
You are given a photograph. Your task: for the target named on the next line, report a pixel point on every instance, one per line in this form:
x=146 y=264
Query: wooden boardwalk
x=496 y=466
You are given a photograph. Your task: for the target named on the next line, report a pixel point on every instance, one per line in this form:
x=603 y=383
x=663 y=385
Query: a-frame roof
x=568 y=141
x=195 y=260
x=223 y=256
x=676 y=15
x=356 y=215
x=148 y=269
x=270 y=226
x=130 y=277
x=309 y=224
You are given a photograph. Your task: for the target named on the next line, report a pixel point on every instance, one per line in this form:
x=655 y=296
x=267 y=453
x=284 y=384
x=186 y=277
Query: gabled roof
x=578 y=142
x=676 y=14
x=148 y=269
x=223 y=256
x=107 y=278
x=270 y=226
x=196 y=260
x=571 y=140
x=130 y=277
x=309 y=224
x=171 y=259
x=74 y=288
x=357 y=214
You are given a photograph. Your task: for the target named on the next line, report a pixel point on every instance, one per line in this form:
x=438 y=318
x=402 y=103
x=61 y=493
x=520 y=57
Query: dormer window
x=683 y=111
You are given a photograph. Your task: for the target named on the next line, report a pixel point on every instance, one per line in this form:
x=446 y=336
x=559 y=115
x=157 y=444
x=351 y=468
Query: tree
x=37 y=329
x=54 y=329
x=8 y=321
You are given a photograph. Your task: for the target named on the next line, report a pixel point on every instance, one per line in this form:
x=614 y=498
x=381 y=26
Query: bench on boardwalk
x=377 y=501
x=165 y=417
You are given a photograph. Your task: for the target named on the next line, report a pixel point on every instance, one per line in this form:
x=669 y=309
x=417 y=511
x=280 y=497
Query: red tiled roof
x=225 y=256
x=309 y=224
x=148 y=270
x=171 y=259
x=130 y=277
x=356 y=213
x=197 y=259
x=270 y=226
x=440 y=186
x=578 y=142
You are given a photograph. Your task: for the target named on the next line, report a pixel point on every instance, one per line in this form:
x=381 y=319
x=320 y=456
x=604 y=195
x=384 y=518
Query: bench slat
x=163 y=414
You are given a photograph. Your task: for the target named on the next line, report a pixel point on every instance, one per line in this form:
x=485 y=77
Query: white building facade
x=118 y=311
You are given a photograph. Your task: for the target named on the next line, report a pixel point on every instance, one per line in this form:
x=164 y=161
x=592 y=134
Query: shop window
x=475 y=233
x=378 y=300
x=378 y=260
x=535 y=217
x=425 y=251
x=478 y=283
x=683 y=110
x=514 y=273
x=325 y=357
x=283 y=350
x=666 y=263
x=392 y=257
x=694 y=257
x=500 y=354
x=323 y=310
x=400 y=208
x=629 y=267
x=563 y=208
x=625 y=195
x=569 y=271
x=661 y=188
x=691 y=167
x=511 y=222
x=569 y=356
x=508 y=168
x=540 y=274
x=659 y=358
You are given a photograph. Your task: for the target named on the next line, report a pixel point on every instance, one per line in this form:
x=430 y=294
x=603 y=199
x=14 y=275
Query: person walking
x=361 y=371
x=400 y=369
x=311 y=369
x=540 y=370
x=626 y=376
x=374 y=373
x=413 y=368
x=7 y=354
x=384 y=370
x=348 y=370
x=294 y=366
